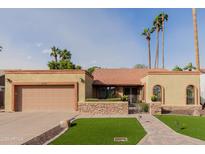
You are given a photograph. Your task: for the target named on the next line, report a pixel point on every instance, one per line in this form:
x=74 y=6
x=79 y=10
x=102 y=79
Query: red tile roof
x=125 y=76
x=121 y=76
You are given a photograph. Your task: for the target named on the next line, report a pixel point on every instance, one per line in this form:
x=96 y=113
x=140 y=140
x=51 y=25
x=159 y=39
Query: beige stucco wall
x=174 y=86
x=43 y=78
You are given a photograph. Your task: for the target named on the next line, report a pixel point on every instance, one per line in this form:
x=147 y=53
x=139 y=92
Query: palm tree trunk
x=157 y=50
x=163 y=45
x=196 y=44
x=149 y=55
x=56 y=60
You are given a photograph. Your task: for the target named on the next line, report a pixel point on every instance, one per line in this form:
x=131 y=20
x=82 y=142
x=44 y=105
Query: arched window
x=157 y=91
x=190 y=95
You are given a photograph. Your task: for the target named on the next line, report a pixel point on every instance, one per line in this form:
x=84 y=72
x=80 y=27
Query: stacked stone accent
x=103 y=107
x=49 y=134
x=155 y=108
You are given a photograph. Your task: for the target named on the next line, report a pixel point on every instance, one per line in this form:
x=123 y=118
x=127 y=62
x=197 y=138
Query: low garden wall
x=186 y=110
x=103 y=107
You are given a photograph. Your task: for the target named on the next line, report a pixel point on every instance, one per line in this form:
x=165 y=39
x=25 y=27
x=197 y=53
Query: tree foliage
x=177 y=68
x=147 y=33
x=140 y=66
x=189 y=67
x=163 y=17
x=92 y=69
x=61 y=59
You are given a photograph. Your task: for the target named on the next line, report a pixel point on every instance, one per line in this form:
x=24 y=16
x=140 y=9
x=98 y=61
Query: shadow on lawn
x=73 y=124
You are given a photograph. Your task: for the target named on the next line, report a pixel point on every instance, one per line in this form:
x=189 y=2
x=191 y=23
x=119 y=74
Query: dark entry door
x=132 y=93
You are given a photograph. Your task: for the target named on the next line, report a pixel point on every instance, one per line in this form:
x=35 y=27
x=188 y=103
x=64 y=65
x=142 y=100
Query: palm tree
x=164 y=18
x=64 y=54
x=189 y=67
x=196 y=44
x=147 y=33
x=157 y=26
x=54 y=53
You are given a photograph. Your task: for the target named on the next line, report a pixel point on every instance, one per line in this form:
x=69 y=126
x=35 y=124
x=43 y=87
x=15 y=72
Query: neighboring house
x=202 y=86
x=2 y=79
x=67 y=90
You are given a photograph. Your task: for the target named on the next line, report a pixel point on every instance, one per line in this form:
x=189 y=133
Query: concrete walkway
x=160 y=134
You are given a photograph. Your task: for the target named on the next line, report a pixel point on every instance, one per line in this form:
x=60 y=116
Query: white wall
x=202 y=88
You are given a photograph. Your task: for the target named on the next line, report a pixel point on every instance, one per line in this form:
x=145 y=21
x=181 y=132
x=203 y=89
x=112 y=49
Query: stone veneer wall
x=155 y=108
x=103 y=107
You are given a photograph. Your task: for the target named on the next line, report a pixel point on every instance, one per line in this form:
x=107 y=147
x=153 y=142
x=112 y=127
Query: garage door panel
x=45 y=98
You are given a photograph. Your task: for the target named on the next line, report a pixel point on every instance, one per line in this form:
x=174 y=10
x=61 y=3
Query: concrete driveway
x=19 y=127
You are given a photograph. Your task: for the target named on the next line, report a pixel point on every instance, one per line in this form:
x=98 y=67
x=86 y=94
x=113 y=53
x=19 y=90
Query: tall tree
x=64 y=61
x=54 y=53
x=196 y=44
x=1 y=48
x=147 y=33
x=64 y=54
x=164 y=18
x=157 y=23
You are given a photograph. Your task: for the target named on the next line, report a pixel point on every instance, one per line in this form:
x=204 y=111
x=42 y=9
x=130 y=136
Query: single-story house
x=68 y=90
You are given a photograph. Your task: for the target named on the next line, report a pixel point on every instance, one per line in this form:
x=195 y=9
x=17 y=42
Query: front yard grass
x=187 y=125
x=101 y=131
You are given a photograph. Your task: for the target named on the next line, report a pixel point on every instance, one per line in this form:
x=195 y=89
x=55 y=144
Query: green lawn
x=101 y=131
x=187 y=125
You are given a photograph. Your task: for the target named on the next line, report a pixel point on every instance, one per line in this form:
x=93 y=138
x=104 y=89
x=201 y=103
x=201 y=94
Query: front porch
x=134 y=93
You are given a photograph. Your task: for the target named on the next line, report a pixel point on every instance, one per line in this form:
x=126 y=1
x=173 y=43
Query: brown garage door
x=44 y=98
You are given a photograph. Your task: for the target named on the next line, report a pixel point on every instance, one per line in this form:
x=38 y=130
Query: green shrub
x=154 y=98
x=144 y=107
x=124 y=98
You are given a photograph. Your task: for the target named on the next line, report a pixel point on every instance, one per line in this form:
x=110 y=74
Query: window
x=190 y=95
x=102 y=92
x=126 y=91
x=107 y=92
x=157 y=91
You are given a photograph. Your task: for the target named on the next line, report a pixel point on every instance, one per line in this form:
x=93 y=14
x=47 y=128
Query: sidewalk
x=160 y=134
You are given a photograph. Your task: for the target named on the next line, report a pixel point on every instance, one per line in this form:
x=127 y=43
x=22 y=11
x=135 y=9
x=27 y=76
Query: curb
x=46 y=136
x=143 y=139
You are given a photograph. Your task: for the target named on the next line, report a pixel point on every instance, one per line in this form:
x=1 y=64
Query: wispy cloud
x=28 y=57
x=46 y=51
x=39 y=44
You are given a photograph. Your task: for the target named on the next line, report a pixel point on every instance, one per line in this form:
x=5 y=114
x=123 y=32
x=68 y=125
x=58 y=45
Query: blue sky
x=102 y=37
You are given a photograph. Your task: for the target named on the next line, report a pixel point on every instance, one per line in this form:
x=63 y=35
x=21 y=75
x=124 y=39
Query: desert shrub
x=124 y=98
x=154 y=98
x=144 y=107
